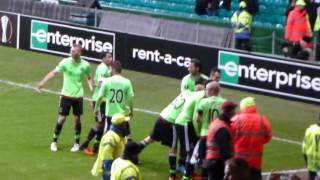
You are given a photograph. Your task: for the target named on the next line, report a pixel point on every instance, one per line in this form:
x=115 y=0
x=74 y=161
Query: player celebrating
x=73 y=69
x=165 y=131
x=207 y=110
x=103 y=71
x=118 y=92
x=189 y=81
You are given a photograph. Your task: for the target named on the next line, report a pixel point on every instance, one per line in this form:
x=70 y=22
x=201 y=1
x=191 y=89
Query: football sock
x=77 y=129
x=92 y=133
x=173 y=165
x=97 y=141
x=57 y=131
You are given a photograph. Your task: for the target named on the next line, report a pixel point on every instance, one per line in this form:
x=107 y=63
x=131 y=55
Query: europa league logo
x=6 y=28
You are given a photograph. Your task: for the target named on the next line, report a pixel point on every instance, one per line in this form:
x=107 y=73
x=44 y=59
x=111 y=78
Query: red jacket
x=298 y=25
x=250 y=132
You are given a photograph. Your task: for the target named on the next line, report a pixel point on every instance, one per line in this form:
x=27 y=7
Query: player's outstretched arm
x=43 y=82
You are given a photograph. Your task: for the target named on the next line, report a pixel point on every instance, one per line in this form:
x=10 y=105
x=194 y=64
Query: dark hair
x=197 y=63
x=116 y=65
x=104 y=54
x=215 y=69
x=239 y=167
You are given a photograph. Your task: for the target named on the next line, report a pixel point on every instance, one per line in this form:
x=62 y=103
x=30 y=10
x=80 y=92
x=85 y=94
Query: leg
x=173 y=154
x=215 y=169
x=190 y=142
x=77 y=107
x=99 y=127
x=155 y=134
x=246 y=44
x=64 y=109
x=58 y=128
x=77 y=129
x=238 y=44
x=107 y=124
x=97 y=130
x=202 y=154
x=182 y=148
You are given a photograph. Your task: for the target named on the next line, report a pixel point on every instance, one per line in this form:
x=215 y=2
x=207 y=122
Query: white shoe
x=75 y=147
x=53 y=147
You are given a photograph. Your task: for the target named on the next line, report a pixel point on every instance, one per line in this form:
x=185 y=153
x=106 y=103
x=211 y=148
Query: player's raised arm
x=43 y=82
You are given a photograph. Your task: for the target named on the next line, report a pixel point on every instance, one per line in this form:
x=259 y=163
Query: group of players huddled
x=213 y=141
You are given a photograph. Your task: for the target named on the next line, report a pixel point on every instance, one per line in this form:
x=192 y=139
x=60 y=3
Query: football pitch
x=27 y=119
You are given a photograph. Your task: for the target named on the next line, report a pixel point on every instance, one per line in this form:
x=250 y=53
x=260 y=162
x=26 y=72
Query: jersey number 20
x=117 y=96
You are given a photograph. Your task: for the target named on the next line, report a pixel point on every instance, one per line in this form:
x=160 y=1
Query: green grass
x=27 y=120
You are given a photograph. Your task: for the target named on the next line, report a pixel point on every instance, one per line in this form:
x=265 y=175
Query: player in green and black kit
x=103 y=71
x=74 y=69
x=118 y=93
x=164 y=129
x=189 y=81
x=208 y=109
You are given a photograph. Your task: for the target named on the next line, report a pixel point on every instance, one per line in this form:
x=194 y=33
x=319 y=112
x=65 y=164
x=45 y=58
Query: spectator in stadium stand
x=189 y=81
x=236 y=169
x=250 y=131
x=73 y=68
x=210 y=7
x=310 y=149
x=241 y=23
x=124 y=168
x=298 y=25
x=111 y=146
x=219 y=142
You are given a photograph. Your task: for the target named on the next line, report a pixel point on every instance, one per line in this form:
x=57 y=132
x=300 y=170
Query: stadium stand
x=271 y=11
x=166 y=19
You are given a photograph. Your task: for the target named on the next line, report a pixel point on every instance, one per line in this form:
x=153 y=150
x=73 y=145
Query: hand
x=39 y=87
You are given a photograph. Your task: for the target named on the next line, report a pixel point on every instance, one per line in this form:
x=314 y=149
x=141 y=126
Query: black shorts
x=191 y=137
x=101 y=117
x=66 y=103
x=164 y=132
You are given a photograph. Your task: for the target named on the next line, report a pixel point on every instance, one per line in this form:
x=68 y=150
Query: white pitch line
x=293 y=171
x=27 y=86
